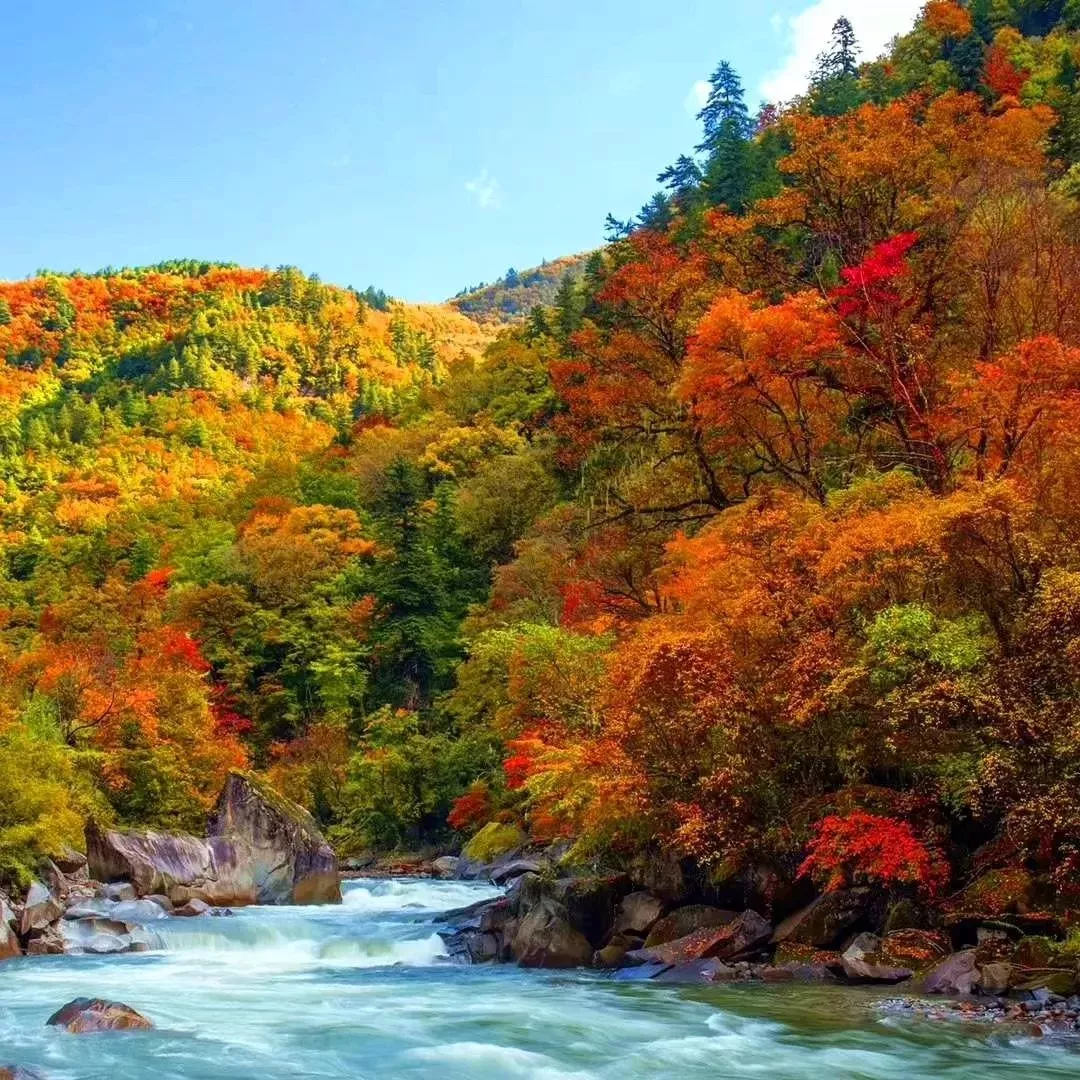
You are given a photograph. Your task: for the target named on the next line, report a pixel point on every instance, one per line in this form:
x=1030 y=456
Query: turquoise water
x=360 y=991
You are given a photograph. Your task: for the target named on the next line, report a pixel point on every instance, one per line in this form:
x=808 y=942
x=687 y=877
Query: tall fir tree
x=834 y=84
x=728 y=172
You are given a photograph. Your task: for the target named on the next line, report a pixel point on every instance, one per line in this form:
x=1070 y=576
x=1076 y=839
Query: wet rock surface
x=260 y=849
x=86 y=1015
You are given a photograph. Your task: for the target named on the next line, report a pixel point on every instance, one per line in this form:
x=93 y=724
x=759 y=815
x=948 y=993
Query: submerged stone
x=84 y=1015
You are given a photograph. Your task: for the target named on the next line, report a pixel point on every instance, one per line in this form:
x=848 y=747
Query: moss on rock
x=492 y=841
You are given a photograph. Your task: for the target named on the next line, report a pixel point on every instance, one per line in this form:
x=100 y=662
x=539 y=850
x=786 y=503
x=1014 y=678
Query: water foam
x=501 y=1060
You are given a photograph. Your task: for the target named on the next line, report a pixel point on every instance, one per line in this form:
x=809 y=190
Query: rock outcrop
x=9 y=939
x=734 y=940
x=290 y=860
x=40 y=909
x=545 y=938
x=828 y=920
x=260 y=849
x=862 y=962
x=638 y=913
x=85 y=1015
x=688 y=920
x=957 y=974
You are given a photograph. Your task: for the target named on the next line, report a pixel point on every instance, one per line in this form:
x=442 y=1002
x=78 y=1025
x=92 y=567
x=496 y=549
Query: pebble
x=1051 y=1015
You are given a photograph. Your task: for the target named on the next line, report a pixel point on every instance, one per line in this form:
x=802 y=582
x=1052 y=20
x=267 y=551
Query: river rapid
x=363 y=991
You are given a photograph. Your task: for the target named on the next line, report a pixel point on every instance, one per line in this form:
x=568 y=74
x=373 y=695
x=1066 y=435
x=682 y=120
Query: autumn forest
x=754 y=543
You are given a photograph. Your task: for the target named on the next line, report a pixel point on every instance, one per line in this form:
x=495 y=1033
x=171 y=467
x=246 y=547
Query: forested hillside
x=760 y=546
x=515 y=294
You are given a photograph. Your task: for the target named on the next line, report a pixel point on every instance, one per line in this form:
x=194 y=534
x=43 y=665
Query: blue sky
x=418 y=145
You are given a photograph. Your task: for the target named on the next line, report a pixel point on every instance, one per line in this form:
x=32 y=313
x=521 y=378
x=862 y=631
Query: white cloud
x=806 y=34
x=695 y=100
x=485 y=188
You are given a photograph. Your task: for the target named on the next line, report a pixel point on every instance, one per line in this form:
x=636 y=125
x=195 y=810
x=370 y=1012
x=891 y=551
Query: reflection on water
x=363 y=991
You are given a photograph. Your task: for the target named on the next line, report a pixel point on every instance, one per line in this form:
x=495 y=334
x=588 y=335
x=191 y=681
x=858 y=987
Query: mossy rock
x=906 y=915
x=493 y=841
x=1058 y=981
x=914 y=949
x=791 y=952
x=1041 y=952
x=999 y=892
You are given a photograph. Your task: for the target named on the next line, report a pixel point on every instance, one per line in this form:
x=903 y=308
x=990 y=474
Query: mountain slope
x=516 y=293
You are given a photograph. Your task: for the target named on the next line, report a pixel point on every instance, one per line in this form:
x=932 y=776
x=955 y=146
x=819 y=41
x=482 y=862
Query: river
x=361 y=991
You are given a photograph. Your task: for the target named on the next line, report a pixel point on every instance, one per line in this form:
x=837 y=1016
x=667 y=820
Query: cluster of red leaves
x=472 y=808
x=180 y=648
x=865 y=848
x=1002 y=75
x=872 y=286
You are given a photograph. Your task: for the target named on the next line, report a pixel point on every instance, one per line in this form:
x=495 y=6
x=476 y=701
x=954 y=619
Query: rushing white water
x=363 y=991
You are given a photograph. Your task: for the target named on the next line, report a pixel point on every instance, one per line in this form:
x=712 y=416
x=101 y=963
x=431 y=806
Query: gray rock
x=192 y=909
x=120 y=891
x=40 y=910
x=138 y=911
x=545 y=938
x=261 y=848
x=862 y=962
x=688 y=920
x=698 y=971
x=524 y=892
x=70 y=861
x=104 y=944
x=637 y=913
x=826 y=921
x=503 y=872
x=445 y=867
x=93 y=909
x=641 y=973
x=9 y=940
x=590 y=903
x=956 y=974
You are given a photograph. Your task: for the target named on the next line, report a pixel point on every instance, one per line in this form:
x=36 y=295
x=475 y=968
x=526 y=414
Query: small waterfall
x=379 y=924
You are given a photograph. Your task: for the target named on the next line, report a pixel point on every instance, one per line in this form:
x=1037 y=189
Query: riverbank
x=365 y=988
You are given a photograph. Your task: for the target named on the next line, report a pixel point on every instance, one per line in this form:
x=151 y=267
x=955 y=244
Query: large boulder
x=47 y=942
x=9 y=940
x=590 y=903
x=744 y=934
x=826 y=921
x=85 y=1015
x=101 y=936
x=177 y=866
x=493 y=841
x=688 y=920
x=19 y=1072
x=291 y=861
x=637 y=913
x=261 y=849
x=192 y=909
x=445 y=867
x=510 y=869
x=40 y=910
x=998 y=892
x=956 y=974
x=914 y=949
x=995 y=978
x=862 y=962
x=545 y=938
